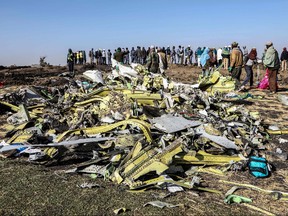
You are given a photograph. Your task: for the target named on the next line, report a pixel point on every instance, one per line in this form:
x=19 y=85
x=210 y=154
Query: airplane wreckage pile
x=137 y=128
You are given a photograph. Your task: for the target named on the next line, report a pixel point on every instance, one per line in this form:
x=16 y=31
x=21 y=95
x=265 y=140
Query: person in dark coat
x=284 y=59
x=119 y=55
x=70 y=61
x=152 y=61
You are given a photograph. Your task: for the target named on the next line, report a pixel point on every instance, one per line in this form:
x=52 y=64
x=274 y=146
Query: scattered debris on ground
x=144 y=131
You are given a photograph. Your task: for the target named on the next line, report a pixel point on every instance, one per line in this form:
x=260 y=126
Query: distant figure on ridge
x=70 y=61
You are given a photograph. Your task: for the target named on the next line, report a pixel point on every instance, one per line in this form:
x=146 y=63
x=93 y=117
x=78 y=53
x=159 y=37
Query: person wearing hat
x=236 y=61
x=152 y=61
x=272 y=62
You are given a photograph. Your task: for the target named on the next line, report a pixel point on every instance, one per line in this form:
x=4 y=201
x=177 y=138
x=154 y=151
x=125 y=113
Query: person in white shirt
x=219 y=57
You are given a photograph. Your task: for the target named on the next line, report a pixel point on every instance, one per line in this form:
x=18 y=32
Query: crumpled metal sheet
x=161 y=204
x=122 y=70
x=220 y=140
x=94 y=75
x=171 y=124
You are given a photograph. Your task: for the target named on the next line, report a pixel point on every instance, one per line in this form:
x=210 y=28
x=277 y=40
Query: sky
x=30 y=29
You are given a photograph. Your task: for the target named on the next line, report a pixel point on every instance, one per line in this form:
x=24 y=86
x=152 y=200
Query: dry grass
x=37 y=190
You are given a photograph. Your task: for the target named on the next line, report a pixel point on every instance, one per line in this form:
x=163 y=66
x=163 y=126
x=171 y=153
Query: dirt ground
x=31 y=189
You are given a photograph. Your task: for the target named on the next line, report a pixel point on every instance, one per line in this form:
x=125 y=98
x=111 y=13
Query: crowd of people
x=157 y=59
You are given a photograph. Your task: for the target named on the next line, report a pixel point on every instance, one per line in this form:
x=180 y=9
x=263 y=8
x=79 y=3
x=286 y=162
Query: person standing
x=75 y=58
x=138 y=55
x=236 y=61
x=80 y=57
x=91 y=56
x=152 y=61
x=245 y=52
x=188 y=55
x=219 y=56
x=163 y=64
x=284 y=59
x=104 y=57
x=205 y=62
x=119 y=55
x=272 y=63
x=179 y=54
x=173 y=55
x=133 y=55
x=109 y=57
x=214 y=57
x=249 y=60
x=127 y=56
x=143 y=56
x=196 y=57
x=147 y=53
x=168 y=54
x=191 y=56
x=97 y=57
x=226 y=55
x=70 y=61
x=100 y=56
x=199 y=53
x=84 y=56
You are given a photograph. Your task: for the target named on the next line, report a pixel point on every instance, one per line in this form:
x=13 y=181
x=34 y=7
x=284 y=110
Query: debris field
x=151 y=134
